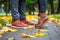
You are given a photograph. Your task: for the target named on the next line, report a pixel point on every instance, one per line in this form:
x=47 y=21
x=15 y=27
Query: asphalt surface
x=52 y=34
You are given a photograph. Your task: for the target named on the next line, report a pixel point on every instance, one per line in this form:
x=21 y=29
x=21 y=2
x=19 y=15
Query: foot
x=41 y=21
x=18 y=23
x=27 y=22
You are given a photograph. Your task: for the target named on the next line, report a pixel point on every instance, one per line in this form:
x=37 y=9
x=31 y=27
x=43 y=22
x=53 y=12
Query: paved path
x=53 y=34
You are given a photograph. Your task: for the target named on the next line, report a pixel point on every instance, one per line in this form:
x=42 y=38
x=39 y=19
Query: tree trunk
x=52 y=6
x=58 y=9
x=29 y=12
x=33 y=9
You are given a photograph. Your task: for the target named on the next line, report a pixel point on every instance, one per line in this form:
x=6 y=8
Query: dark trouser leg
x=42 y=6
x=22 y=4
x=16 y=15
x=42 y=16
x=14 y=9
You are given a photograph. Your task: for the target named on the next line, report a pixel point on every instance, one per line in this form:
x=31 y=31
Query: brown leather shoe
x=18 y=23
x=43 y=19
x=27 y=22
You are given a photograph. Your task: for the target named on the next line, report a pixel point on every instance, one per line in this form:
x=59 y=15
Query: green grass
x=3 y=14
x=56 y=16
x=2 y=22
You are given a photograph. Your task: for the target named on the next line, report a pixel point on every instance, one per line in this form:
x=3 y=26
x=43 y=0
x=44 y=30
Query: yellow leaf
x=1 y=32
x=35 y=16
x=50 y=16
x=11 y=39
x=40 y=34
x=28 y=17
x=43 y=30
x=24 y=35
x=12 y=30
x=58 y=22
x=5 y=29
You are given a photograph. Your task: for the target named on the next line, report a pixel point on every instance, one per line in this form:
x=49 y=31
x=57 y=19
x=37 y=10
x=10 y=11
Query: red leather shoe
x=27 y=22
x=18 y=23
x=43 y=19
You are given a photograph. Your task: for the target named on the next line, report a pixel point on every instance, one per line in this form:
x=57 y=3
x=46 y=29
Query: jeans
x=42 y=6
x=17 y=8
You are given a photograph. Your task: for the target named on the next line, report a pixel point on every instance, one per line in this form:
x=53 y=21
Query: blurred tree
x=52 y=6
x=55 y=5
x=58 y=9
x=6 y=6
x=30 y=6
x=1 y=2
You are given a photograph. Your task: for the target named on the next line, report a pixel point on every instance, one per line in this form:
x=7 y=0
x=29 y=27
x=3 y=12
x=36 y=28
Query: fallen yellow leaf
x=1 y=32
x=9 y=25
x=43 y=30
x=11 y=39
x=5 y=29
x=24 y=35
x=12 y=30
x=50 y=16
x=28 y=17
x=40 y=34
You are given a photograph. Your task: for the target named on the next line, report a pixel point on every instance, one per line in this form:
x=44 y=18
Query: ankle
x=42 y=15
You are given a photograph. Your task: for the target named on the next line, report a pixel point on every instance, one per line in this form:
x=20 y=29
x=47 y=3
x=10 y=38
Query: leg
x=22 y=4
x=42 y=15
x=14 y=9
x=15 y=14
x=42 y=6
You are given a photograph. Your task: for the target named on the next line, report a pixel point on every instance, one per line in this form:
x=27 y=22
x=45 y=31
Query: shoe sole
x=17 y=27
